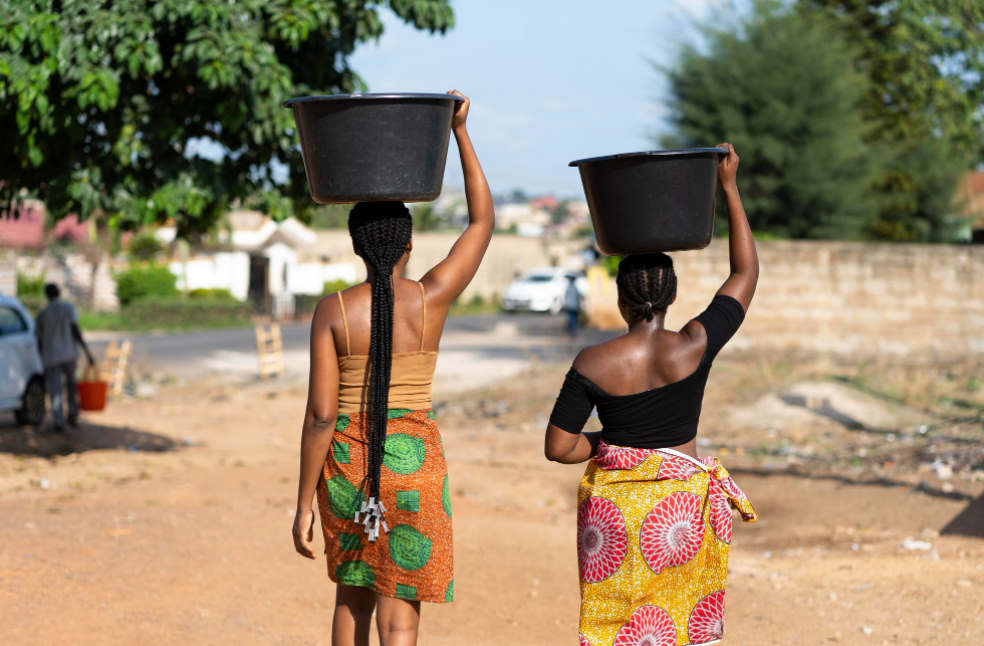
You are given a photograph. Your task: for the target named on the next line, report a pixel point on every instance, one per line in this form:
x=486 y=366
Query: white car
x=21 y=370
x=542 y=290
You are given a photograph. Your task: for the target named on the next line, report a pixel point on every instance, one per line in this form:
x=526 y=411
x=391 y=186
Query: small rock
x=913 y=545
x=963 y=583
x=145 y=390
x=947 y=487
x=44 y=483
x=866 y=630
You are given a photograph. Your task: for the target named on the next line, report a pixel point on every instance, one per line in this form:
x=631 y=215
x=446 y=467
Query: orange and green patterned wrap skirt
x=653 y=533
x=414 y=561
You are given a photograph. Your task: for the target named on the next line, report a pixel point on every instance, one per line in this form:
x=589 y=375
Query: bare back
x=417 y=320
x=642 y=360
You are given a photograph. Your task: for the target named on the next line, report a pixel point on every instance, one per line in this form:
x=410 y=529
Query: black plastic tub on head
x=652 y=201
x=374 y=147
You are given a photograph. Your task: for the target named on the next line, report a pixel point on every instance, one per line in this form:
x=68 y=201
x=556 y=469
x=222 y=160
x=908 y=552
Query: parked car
x=21 y=370
x=542 y=290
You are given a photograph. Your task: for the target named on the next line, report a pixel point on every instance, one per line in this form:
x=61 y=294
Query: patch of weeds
x=973 y=384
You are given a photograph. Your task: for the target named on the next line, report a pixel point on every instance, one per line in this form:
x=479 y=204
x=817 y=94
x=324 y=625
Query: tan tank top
x=411 y=375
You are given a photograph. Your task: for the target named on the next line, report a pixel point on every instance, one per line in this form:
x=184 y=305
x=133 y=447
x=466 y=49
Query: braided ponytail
x=647 y=284
x=380 y=233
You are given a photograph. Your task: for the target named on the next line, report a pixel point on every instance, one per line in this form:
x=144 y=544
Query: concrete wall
x=310 y=277
x=917 y=303
x=507 y=257
x=8 y=273
x=223 y=270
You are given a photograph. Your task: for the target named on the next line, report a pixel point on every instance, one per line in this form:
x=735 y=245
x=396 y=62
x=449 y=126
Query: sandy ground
x=166 y=520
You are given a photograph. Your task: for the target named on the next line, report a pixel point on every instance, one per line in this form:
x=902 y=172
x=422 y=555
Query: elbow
x=551 y=455
x=554 y=453
x=320 y=421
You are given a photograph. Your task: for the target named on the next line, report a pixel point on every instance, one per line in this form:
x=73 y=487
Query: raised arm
x=319 y=425
x=740 y=285
x=446 y=280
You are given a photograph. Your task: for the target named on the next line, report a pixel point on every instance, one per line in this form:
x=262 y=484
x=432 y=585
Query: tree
x=426 y=217
x=782 y=90
x=924 y=60
x=138 y=111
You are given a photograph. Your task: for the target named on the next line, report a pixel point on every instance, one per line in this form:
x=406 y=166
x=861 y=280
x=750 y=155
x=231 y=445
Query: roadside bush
x=332 y=286
x=212 y=294
x=611 y=264
x=149 y=281
x=306 y=303
x=33 y=303
x=29 y=285
x=144 y=247
x=154 y=313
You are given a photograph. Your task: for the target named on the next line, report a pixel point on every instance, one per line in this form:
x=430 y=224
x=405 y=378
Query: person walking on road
x=370 y=449
x=58 y=333
x=654 y=520
x=572 y=305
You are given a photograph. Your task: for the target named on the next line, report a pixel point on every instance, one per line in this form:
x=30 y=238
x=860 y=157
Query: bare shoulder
x=591 y=359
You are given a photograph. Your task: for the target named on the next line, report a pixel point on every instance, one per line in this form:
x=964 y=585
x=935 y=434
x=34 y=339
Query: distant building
x=259 y=261
x=527 y=219
x=25 y=228
x=972 y=190
x=547 y=202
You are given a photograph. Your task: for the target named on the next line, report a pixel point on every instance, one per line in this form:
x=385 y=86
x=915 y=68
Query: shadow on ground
x=969 y=522
x=923 y=488
x=26 y=440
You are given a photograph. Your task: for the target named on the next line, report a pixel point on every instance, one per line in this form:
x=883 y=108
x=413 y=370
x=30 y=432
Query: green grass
x=120 y=322
x=476 y=305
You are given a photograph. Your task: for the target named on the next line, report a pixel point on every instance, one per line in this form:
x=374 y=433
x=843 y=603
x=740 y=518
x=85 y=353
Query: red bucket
x=92 y=391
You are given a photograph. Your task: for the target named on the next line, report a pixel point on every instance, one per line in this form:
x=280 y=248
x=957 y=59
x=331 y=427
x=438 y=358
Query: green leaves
x=782 y=90
x=139 y=111
x=924 y=63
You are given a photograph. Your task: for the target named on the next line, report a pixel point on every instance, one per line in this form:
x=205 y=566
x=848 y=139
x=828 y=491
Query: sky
x=550 y=80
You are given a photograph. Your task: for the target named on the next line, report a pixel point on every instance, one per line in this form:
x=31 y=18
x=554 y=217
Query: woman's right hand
x=303 y=532
x=460 y=110
x=728 y=167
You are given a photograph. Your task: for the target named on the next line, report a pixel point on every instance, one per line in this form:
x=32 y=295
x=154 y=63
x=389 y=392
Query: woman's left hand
x=304 y=532
x=460 y=110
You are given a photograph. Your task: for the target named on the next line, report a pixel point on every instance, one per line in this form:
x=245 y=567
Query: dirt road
x=167 y=521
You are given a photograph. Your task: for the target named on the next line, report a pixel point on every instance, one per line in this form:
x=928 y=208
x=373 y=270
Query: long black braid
x=380 y=234
x=646 y=283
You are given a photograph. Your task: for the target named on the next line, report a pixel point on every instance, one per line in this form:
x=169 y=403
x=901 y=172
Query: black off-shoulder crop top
x=657 y=418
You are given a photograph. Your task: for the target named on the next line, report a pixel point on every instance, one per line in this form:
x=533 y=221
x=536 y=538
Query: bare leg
x=397 y=621
x=353 y=616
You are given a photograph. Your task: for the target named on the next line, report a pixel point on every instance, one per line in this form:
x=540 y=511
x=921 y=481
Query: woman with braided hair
x=654 y=520
x=370 y=449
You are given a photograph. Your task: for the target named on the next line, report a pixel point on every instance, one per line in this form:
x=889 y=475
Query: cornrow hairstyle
x=380 y=234
x=646 y=283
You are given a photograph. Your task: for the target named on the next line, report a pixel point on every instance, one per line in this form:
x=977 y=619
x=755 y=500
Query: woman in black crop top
x=645 y=492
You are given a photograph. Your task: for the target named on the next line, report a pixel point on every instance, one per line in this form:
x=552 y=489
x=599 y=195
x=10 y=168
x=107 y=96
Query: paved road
x=490 y=345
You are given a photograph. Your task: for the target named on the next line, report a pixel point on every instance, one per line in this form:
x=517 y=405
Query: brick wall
x=917 y=303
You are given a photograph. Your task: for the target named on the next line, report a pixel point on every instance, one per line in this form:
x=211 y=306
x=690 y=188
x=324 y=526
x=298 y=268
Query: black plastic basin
x=373 y=147
x=652 y=201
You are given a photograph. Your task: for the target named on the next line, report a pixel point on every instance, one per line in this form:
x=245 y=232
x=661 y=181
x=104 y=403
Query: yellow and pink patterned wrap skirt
x=653 y=534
